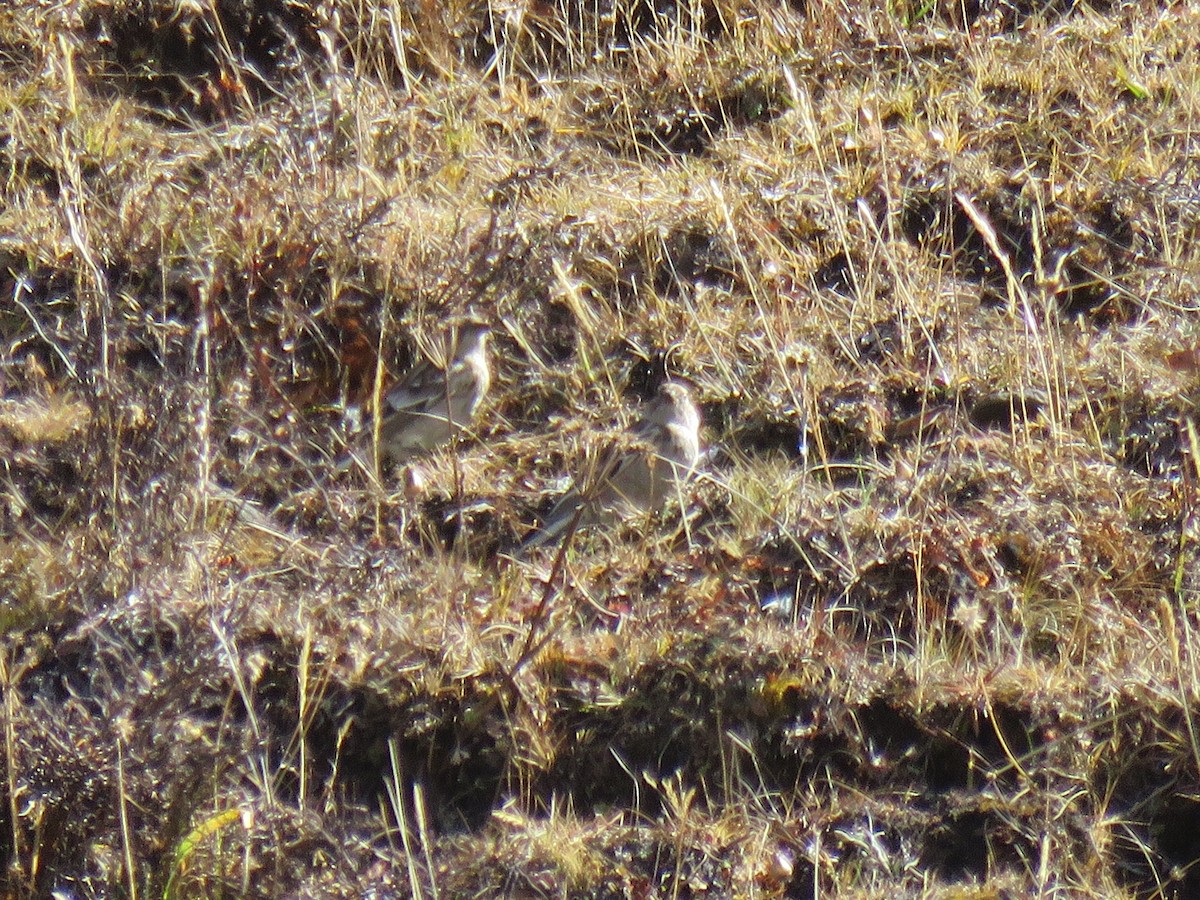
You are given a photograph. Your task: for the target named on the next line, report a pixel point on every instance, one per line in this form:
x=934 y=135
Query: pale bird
x=637 y=476
x=431 y=405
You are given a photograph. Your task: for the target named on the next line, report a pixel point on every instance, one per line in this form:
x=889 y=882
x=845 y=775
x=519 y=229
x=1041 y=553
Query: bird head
x=472 y=337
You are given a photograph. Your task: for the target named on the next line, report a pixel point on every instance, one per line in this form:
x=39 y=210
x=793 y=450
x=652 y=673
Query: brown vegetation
x=924 y=626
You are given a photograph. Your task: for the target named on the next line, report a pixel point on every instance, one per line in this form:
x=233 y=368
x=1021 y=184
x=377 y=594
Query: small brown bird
x=637 y=476
x=431 y=405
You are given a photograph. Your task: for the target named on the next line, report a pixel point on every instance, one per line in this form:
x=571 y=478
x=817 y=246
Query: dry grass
x=927 y=623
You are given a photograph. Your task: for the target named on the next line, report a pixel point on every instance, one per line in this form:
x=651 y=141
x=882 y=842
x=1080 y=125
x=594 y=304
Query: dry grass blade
x=922 y=616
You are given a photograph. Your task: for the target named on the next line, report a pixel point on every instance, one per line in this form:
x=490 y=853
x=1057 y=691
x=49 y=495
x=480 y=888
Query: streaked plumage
x=638 y=476
x=431 y=406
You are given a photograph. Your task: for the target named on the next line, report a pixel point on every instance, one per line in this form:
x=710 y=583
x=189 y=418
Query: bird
x=432 y=404
x=637 y=475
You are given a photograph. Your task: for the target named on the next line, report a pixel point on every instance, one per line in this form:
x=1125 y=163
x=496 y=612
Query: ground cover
x=925 y=623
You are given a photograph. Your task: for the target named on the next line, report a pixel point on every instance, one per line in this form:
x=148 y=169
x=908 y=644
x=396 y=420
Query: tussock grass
x=925 y=624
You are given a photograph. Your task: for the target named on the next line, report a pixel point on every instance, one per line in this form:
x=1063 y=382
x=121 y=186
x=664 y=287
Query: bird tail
x=564 y=519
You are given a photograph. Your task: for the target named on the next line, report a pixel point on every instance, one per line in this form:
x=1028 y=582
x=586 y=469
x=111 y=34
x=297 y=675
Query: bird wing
x=422 y=385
